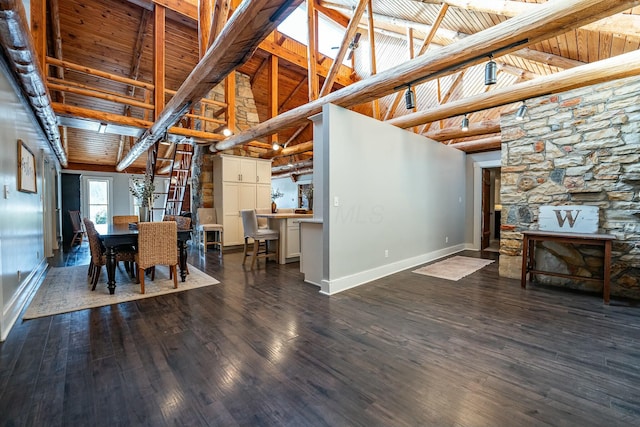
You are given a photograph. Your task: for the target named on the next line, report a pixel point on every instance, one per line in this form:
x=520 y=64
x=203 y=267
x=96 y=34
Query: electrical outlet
x=386 y=253
x=336 y=201
x=446 y=239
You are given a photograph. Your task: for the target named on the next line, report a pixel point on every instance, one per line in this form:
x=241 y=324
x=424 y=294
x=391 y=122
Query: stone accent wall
x=580 y=147
x=246 y=117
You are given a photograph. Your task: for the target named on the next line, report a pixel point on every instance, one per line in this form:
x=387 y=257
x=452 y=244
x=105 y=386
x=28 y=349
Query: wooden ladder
x=180 y=171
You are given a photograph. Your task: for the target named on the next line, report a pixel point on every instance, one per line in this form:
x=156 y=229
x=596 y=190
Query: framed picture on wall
x=26 y=169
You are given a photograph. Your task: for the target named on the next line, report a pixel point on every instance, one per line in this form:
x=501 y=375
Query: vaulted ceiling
x=102 y=67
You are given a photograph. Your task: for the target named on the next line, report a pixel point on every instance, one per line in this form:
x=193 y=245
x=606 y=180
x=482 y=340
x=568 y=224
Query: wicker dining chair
x=183 y=222
x=125 y=219
x=98 y=256
x=157 y=246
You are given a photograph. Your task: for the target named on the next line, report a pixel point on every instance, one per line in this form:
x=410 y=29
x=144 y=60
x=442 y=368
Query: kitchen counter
x=288 y=225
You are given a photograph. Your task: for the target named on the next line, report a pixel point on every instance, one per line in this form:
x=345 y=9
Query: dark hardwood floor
x=264 y=348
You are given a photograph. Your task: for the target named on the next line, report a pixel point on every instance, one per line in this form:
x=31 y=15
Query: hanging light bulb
x=409 y=98
x=227 y=132
x=490 y=72
x=522 y=110
x=275 y=146
x=465 y=123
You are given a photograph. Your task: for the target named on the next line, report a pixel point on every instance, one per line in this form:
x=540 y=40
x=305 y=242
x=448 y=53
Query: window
x=98 y=197
x=329 y=34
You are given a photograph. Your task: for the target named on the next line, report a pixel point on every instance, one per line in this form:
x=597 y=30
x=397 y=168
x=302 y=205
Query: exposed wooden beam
x=101 y=168
x=292 y=94
x=303 y=147
x=312 y=49
x=251 y=22
x=515 y=71
x=491 y=143
x=475 y=129
x=301 y=60
x=205 y=21
x=21 y=57
x=66 y=110
x=97 y=73
x=159 y=30
x=57 y=41
x=335 y=16
x=551 y=19
x=625 y=24
x=273 y=95
x=372 y=55
x=350 y=32
x=38 y=12
x=614 y=68
x=220 y=17
x=230 y=99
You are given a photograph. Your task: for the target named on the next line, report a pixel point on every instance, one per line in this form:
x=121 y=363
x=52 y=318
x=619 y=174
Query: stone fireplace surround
x=580 y=147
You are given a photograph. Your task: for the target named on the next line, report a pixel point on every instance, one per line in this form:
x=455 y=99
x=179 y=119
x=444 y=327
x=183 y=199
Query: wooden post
x=273 y=98
x=159 y=59
x=312 y=47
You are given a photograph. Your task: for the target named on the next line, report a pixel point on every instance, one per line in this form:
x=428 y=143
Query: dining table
x=115 y=235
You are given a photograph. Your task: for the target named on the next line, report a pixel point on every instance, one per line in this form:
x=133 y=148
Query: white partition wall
x=402 y=203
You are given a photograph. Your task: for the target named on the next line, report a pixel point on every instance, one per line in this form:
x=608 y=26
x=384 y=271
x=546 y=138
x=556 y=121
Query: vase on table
x=143 y=213
x=274 y=207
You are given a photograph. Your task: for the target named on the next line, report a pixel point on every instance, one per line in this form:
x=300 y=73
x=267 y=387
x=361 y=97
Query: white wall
x=401 y=204
x=22 y=246
x=474 y=165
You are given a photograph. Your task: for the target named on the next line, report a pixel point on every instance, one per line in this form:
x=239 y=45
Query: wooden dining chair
x=79 y=232
x=261 y=237
x=157 y=246
x=207 y=223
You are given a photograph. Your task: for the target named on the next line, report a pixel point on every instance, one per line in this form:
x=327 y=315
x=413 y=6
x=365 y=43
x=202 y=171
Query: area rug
x=66 y=289
x=454 y=268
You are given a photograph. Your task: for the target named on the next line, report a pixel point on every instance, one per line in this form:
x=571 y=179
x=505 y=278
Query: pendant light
x=410 y=98
x=522 y=110
x=490 y=72
x=465 y=123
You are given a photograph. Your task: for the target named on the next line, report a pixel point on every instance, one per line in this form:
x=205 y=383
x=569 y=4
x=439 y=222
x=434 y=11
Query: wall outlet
x=386 y=253
x=446 y=239
x=336 y=201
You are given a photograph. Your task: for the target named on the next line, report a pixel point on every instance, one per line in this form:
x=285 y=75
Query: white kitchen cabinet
x=239 y=183
x=293 y=238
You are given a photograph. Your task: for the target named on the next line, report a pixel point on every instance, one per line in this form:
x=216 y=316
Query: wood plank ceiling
x=116 y=37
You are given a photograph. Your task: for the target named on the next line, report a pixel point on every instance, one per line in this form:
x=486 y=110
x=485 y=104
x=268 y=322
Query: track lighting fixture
x=490 y=72
x=465 y=123
x=227 y=132
x=102 y=128
x=410 y=98
x=275 y=146
x=522 y=110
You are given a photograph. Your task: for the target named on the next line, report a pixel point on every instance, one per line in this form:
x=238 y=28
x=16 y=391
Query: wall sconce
x=409 y=98
x=102 y=128
x=490 y=72
x=275 y=146
x=465 y=123
x=522 y=110
x=227 y=132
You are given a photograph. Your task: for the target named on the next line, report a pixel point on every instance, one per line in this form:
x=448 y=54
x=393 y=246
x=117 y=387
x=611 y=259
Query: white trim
x=342 y=284
x=21 y=297
x=85 y=194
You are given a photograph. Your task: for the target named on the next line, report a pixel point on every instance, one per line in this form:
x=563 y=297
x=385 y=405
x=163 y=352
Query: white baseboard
x=331 y=287
x=23 y=295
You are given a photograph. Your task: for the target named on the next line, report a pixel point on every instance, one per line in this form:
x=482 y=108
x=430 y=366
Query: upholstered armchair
x=261 y=238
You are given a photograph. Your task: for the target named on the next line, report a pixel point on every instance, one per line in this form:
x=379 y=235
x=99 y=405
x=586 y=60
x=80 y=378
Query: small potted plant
x=143 y=190
x=275 y=194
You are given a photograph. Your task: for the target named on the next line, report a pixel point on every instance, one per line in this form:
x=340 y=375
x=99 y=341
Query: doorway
x=491 y=210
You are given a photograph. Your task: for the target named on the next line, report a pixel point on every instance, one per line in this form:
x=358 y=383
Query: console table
x=528 y=255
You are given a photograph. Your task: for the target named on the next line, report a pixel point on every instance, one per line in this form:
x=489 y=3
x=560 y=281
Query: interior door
x=486 y=209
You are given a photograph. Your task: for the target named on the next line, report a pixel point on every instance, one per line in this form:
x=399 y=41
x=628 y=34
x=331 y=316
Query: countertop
x=283 y=215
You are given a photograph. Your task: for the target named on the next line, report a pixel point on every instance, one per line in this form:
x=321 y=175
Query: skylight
x=329 y=34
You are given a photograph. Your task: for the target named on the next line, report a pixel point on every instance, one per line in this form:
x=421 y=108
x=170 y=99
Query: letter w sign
x=569 y=218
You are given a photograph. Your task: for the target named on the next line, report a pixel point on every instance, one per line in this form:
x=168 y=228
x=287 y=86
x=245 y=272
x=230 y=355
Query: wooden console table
x=529 y=246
